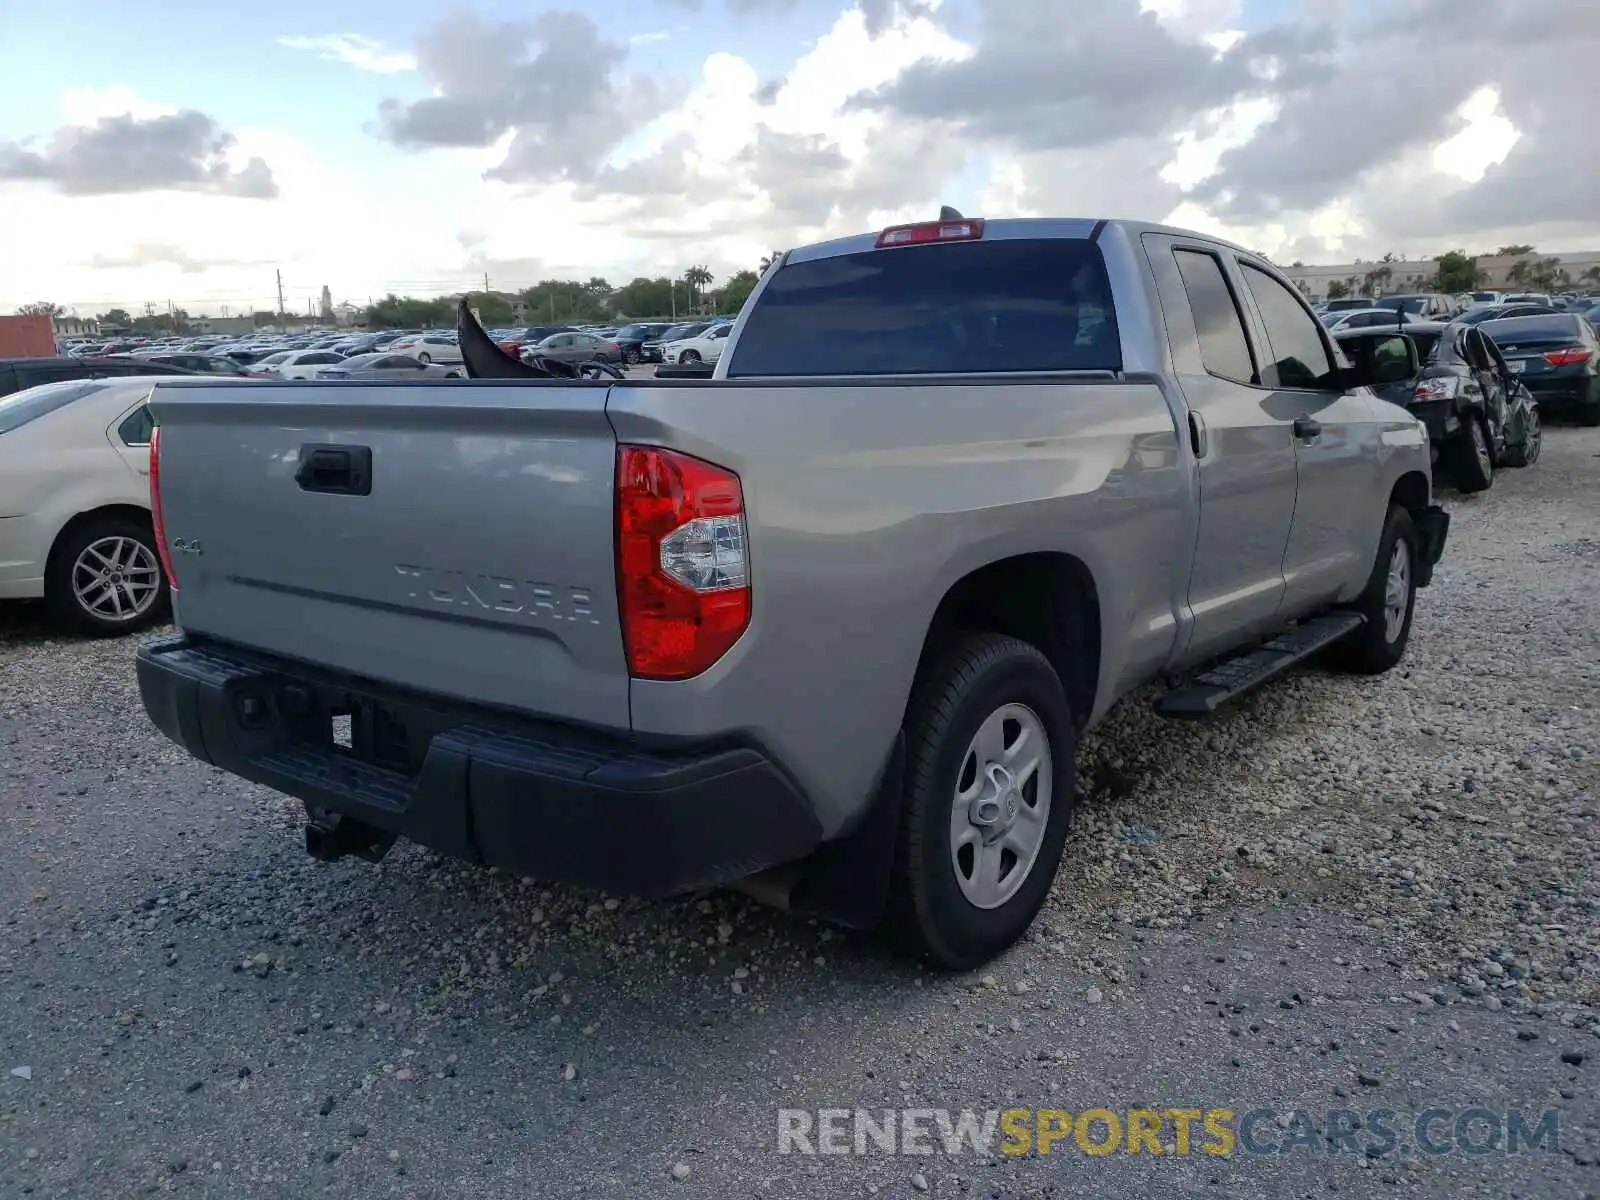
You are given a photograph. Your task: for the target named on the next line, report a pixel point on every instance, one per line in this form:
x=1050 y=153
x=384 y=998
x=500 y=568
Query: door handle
x=335 y=470
x=1198 y=442
x=1307 y=428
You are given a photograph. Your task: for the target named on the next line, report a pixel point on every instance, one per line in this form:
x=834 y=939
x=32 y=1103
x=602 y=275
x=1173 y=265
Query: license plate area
x=1517 y=365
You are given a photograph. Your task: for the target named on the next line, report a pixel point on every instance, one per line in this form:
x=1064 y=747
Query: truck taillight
x=156 y=520
x=683 y=566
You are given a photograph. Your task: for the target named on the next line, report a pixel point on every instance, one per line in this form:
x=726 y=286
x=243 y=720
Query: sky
x=191 y=153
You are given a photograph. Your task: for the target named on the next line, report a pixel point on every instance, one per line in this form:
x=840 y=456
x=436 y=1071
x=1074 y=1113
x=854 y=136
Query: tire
x=629 y=356
x=689 y=356
x=1381 y=642
x=425 y=358
x=86 y=553
x=939 y=909
x=1474 y=455
x=452 y=374
x=1526 y=452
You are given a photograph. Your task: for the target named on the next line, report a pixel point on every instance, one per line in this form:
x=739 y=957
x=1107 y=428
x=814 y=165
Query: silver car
x=388 y=367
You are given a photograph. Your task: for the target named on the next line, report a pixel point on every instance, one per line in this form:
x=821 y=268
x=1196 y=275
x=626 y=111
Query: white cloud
x=353 y=50
x=1484 y=141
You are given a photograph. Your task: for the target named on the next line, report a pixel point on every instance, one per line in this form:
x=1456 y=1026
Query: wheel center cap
x=994 y=810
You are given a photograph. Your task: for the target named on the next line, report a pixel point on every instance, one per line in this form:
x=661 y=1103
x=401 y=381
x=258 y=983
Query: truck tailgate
x=475 y=560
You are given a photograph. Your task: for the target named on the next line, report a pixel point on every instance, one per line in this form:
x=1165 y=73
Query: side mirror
x=1377 y=357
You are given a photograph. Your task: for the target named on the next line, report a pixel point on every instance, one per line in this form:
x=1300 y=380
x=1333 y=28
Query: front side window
x=1299 y=359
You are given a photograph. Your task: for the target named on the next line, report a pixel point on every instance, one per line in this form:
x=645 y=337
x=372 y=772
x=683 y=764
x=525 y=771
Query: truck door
x=1340 y=501
x=1243 y=446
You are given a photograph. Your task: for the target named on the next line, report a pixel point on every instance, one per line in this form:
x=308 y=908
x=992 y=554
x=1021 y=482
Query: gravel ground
x=1346 y=893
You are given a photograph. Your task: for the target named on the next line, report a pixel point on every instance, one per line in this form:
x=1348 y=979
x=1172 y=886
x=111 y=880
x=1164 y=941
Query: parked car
x=630 y=339
x=575 y=348
x=652 y=349
x=1477 y=414
x=1365 y=318
x=1557 y=357
x=1497 y=312
x=19 y=373
x=203 y=363
x=296 y=364
x=75 y=489
x=703 y=347
x=429 y=348
x=384 y=364
x=1348 y=304
x=1427 y=306
x=849 y=646
x=531 y=335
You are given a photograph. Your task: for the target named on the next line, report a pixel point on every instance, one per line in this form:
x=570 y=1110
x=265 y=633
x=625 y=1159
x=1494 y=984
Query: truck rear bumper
x=531 y=798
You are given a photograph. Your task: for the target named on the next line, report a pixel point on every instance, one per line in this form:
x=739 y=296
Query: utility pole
x=283 y=319
x=486 y=283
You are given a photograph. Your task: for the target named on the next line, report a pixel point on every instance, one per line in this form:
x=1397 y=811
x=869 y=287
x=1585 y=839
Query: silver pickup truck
x=827 y=626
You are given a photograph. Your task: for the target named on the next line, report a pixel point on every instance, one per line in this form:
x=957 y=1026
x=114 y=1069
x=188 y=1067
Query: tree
x=732 y=295
x=1377 y=280
x=1505 y=251
x=1338 y=289
x=492 y=308
x=41 y=308
x=1457 y=272
x=115 y=316
x=1544 y=275
x=1592 y=275
x=1519 y=272
x=769 y=259
x=697 y=278
x=643 y=298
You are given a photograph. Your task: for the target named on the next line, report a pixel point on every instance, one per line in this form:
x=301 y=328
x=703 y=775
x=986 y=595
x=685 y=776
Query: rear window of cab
x=1001 y=306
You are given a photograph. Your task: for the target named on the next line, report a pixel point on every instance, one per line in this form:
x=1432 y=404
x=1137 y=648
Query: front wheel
x=1387 y=603
x=425 y=358
x=689 y=356
x=1474 y=455
x=989 y=786
x=104 y=579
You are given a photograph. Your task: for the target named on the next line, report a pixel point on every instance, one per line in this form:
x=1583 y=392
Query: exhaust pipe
x=331 y=836
x=774 y=887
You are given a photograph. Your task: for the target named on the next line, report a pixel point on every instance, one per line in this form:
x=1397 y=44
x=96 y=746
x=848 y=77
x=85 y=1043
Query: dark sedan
x=1557 y=357
x=1498 y=312
x=381 y=365
x=205 y=364
x=19 y=373
x=630 y=339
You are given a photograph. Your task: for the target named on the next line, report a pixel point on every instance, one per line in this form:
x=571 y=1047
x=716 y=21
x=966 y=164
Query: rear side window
x=1299 y=357
x=137 y=426
x=1223 y=348
x=960 y=308
x=17 y=409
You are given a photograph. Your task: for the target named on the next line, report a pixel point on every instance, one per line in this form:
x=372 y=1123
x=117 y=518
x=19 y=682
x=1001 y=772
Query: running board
x=1210 y=690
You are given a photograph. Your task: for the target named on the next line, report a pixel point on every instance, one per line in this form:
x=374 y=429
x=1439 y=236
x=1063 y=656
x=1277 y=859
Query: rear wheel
x=1387 y=603
x=629 y=355
x=424 y=358
x=1474 y=455
x=988 y=796
x=104 y=579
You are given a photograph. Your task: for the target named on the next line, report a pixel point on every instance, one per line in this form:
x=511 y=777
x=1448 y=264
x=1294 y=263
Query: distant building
x=1415 y=275
x=346 y=314
x=238 y=325
x=325 y=308
x=75 y=327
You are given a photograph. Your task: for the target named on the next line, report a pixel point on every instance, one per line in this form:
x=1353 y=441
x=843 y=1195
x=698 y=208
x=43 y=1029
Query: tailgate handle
x=336 y=470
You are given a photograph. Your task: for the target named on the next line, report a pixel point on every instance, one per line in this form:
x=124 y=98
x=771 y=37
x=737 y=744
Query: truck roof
x=1017 y=228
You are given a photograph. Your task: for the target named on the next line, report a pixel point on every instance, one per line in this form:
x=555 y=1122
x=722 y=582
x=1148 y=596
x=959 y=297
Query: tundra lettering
x=499 y=593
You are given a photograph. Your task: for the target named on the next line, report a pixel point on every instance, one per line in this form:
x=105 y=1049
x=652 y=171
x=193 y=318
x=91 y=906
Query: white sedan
x=75 y=504
x=296 y=364
x=707 y=347
x=1366 y=318
x=428 y=348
